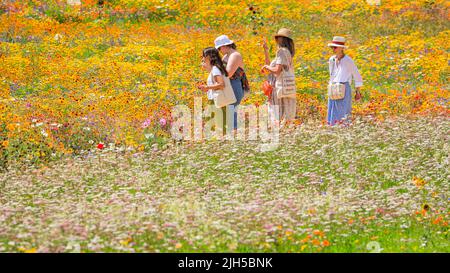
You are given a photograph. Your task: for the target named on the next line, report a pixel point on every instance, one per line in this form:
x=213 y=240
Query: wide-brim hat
x=284 y=32
x=222 y=40
x=338 y=41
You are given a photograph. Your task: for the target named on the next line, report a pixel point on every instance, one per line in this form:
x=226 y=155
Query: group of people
x=223 y=60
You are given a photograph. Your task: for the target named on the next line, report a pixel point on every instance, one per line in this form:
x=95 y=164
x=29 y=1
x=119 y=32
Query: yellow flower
x=10 y=127
x=419 y=182
x=5 y=143
x=31 y=250
x=126 y=242
x=178 y=245
x=24 y=250
x=232 y=246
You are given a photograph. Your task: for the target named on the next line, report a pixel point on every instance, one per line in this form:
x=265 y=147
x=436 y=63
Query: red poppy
x=100 y=146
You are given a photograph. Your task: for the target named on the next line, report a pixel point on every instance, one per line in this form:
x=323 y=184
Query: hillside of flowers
x=364 y=189
x=87 y=162
x=73 y=76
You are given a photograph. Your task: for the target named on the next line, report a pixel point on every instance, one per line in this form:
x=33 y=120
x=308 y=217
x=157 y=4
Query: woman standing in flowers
x=282 y=109
x=342 y=70
x=234 y=64
x=212 y=63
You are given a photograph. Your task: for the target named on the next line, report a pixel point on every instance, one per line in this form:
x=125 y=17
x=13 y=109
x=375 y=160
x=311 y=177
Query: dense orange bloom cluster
x=73 y=76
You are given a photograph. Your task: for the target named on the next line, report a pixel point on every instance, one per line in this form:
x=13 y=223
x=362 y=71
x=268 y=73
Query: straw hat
x=222 y=40
x=338 y=41
x=284 y=32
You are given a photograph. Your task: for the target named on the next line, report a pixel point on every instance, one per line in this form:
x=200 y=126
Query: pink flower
x=169 y=225
x=163 y=122
x=146 y=123
x=269 y=227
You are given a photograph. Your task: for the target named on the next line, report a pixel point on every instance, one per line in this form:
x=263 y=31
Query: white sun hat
x=338 y=41
x=222 y=40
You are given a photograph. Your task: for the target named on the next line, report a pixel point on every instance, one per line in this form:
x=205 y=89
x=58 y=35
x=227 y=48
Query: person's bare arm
x=218 y=85
x=272 y=69
x=266 y=53
x=234 y=61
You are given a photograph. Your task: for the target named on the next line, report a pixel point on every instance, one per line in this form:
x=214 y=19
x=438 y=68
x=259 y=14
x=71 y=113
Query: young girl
x=212 y=63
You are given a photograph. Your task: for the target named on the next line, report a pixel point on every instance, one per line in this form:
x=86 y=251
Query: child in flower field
x=212 y=63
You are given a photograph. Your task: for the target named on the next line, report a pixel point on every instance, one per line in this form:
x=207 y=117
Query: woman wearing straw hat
x=234 y=64
x=287 y=106
x=342 y=70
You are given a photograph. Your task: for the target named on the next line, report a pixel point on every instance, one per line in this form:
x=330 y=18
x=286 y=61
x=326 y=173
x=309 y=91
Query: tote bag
x=285 y=82
x=226 y=96
x=336 y=91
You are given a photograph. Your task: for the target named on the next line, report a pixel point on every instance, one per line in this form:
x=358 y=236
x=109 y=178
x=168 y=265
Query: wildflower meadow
x=88 y=162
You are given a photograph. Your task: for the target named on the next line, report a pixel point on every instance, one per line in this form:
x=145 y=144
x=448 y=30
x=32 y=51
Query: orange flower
x=318 y=233
x=10 y=127
x=326 y=243
x=419 y=182
x=437 y=220
x=5 y=143
x=306 y=239
x=312 y=211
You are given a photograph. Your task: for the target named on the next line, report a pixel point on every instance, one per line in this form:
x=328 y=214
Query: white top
x=345 y=71
x=214 y=72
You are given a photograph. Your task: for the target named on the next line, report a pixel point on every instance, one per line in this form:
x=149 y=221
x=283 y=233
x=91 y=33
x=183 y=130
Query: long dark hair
x=233 y=46
x=287 y=43
x=215 y=59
